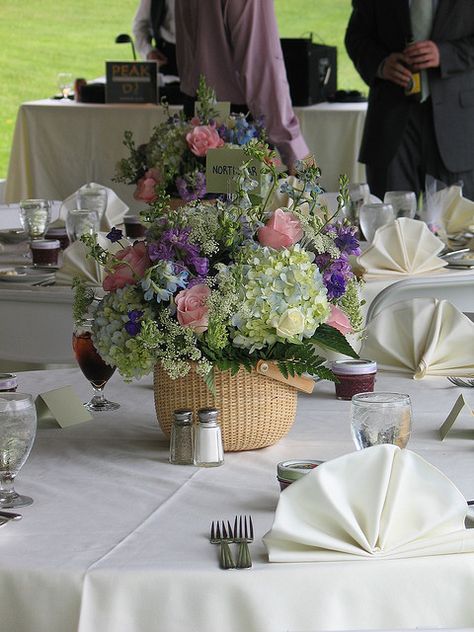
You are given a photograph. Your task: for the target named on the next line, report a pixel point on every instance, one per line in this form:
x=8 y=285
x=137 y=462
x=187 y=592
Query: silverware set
x=241 y=533
x=462 y=382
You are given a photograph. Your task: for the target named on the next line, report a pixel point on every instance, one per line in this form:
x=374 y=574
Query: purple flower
x=201 y=265
x=191 y=187
x=133 y=325
x=344 y=238
x=335 y=277
x=115 y=235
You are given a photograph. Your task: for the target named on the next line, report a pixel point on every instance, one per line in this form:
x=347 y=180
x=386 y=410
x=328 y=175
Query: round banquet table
x=117 y=538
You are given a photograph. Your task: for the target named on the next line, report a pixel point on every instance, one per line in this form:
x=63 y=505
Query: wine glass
x=403 y=202
x=380 y=418
x=359 y=194
x=65 y=83
x=17 y=434
x=373 y=216
x=80 y=222
x=93 y=367
x=92 y=197
x=35 y=215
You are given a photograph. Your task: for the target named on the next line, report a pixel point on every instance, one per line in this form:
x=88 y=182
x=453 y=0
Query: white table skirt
x=59 y=145
x=116 y=539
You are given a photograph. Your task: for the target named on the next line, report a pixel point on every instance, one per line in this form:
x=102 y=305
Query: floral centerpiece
x=224 y=284
x=174 y=157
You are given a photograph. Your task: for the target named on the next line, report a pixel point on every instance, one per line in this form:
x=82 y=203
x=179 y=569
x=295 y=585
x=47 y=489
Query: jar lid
x=56 y=232
x=208 y=415
x=183 y=416
x=45 y=244
x=293 y=470
x=353 y=367
x=131 y=219
x=8 y=380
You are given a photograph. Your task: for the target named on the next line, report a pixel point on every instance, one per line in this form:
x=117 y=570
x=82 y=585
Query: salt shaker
x=208 y=448
x=181 y=444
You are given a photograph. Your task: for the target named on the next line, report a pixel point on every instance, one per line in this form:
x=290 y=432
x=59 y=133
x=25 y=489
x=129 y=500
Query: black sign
x=131 y=82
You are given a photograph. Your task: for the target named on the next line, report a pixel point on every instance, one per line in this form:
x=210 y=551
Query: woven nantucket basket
x=254 y=410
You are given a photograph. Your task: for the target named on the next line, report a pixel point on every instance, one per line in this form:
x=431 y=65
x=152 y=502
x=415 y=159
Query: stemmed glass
x=380 y=418
x=35 y=215
x=65 y=83
x=17 y=434
x=93 y=367
x=92 y=197
x=403 y=202
x=373 y=216
x=359 y=194
x=80 y=222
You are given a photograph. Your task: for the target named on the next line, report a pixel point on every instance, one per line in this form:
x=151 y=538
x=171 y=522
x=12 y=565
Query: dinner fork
x=463 y=383
x=243 y=534
x=220 y=534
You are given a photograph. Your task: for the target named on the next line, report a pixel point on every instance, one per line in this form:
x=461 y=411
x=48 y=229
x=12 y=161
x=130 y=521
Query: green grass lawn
x=43 y=37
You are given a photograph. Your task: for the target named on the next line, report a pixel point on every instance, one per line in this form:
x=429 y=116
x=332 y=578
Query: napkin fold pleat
x=405 y=247
x=381 y=502
x=113 y=215
x=76 y=263
x=457 y=212
x=423 y=336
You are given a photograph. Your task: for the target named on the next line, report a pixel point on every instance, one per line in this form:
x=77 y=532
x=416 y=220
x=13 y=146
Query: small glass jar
x=45 y=252
x=60 y=234
x=208 y=447
x=182 y=440
x=133 y=227
x=355 y=376
x=290 y=471
x=8 y=382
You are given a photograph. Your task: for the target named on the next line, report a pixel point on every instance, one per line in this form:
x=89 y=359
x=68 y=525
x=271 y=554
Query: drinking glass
x=92 y=197
x=380 y=418
x=65 y=83
x=359 y=194
x=373 y=216
x=35 y=215
x=17 y=433
x=81 y=222
x=93 y=367
x=403 y=202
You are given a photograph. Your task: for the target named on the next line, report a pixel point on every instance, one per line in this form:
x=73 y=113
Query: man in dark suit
x=406 y=138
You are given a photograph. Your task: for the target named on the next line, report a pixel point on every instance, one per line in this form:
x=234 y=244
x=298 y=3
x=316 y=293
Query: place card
x=61 y=407
x=459 y=404
x=222 y=167
x=222 y=109
x=131 y=82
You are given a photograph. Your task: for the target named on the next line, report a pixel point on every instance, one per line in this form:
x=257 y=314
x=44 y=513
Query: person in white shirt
x=154 y=33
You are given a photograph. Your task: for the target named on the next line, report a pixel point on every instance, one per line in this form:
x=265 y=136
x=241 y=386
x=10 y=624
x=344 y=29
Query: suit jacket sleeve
x=456 y=56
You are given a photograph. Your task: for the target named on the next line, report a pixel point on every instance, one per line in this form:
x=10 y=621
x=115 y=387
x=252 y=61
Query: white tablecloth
x=59 y=145
x=116 y=540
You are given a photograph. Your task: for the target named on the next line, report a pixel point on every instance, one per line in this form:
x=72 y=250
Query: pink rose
x=145 y=190
x=203 y=137
x=192 y=309
x=339 y=321
x=283 y=229
x=136 y=261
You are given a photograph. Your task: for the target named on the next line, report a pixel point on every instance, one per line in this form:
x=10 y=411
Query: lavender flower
x=115 y=235
x=345 y=238
x=191 y=186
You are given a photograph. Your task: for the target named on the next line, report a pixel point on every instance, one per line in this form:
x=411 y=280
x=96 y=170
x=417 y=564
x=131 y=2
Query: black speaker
x=311 y=70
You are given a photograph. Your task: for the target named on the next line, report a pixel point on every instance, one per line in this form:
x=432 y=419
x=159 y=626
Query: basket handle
x=271 y=370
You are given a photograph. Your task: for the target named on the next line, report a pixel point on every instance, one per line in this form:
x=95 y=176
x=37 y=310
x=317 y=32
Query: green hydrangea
x=283 y=298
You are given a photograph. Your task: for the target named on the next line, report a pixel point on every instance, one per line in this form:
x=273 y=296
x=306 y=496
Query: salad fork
x=463 y=383
x=243 y=534
x=220 y=534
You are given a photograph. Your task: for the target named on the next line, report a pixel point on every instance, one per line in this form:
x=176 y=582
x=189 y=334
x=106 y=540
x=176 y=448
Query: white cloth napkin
x=423 y=336
x=456 y=212
x=77 y=264
x=113 y=214
x=405 y=247
x=381 y=502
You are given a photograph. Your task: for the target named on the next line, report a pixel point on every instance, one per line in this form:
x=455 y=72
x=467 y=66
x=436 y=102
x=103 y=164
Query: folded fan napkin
x=113 y=215
x=423 y=336
x=405 y=247
x=77 y=264
x=457 y=213
x=381 y=502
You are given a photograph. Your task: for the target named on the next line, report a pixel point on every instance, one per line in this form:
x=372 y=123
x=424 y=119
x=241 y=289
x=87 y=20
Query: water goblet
x=403 y=202
x=380 y=418
x=93 y=367
x=65 y=83
x=373 y=216
x=17 y=434
x=81 y=222
x=35 y=215
x=92 y=197
x=359 y=194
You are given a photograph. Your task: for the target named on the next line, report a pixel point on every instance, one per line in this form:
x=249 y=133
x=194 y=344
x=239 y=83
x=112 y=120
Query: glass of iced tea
x=93 y=367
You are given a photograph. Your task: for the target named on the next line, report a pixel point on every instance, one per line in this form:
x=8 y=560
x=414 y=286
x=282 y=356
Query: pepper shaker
x=181 y=443
x=208 y=448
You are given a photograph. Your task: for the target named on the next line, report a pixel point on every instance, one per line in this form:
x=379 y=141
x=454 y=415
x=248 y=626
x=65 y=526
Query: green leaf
x=331 y=338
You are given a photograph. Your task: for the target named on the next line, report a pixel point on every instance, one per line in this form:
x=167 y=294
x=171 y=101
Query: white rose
x=291 y=323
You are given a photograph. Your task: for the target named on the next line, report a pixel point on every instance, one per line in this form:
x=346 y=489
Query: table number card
x=222 y=109
x=222 y=167
x=459 y=404
x=131 y=82
x=62 y=407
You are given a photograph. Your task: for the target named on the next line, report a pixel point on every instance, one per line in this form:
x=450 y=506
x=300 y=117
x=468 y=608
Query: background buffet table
x=60 y=145
x=117 y=538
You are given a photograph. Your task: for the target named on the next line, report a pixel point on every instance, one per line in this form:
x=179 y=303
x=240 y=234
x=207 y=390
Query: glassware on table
x=92 y=197
x=35 y=215
x=17 y=434
x=373 y=216
x=93 y=367
x=359 y=194
x=80 y=222
x=403 y=202
x=65 y=83
x=380 y=418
